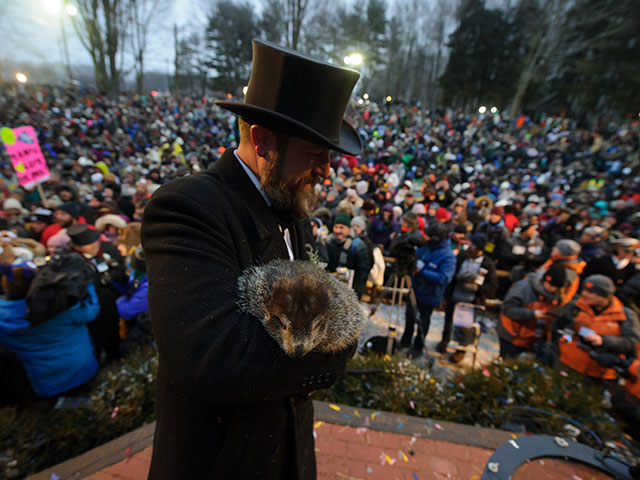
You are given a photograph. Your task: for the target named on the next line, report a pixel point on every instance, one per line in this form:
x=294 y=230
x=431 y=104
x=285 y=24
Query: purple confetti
x=415 y=476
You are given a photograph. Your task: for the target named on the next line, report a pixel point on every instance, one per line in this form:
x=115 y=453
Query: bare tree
x=102 y=28
x=295 y=11
x=144 y=14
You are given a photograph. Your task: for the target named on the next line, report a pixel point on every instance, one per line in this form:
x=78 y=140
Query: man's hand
x=594 y=339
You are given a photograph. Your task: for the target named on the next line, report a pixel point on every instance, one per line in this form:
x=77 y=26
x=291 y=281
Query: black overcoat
x=230 y=404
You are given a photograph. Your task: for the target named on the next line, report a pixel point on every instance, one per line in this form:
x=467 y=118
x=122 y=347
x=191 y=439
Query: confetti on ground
x=315 y=435
x=366 y=421
x=347 y=477
x=485 y=372
x=54 y=477
x=356 y=413
x=403 y=456
x=400 y=425
x=563 y=373
x=514 y=436
x=412 y=441
x=576 y=477
x=514 y=444
x=369 y=470
x=412 y=405
x=541 y=462
x=438 y=426
x=432 y=380
x=361 y=430
x=115 y=412
x=127 y=452
x=373 y=416
x=474 y=477
x=415 y=477
x=317 y=424
x=334 y=407
x=346 y=416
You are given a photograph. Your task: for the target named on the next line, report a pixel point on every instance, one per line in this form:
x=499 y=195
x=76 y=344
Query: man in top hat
x=110 y=281
x=230 y=403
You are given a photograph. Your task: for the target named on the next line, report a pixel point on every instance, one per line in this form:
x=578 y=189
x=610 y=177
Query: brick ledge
x=112 y=452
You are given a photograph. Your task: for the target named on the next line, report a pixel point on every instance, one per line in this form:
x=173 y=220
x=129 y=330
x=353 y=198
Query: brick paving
x=350 y=453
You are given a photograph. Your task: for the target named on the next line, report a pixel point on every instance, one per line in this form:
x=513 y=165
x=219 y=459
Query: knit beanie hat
x=418 y=209
x=556 y=275
x=568 y=248
x=443 y=214
x=600 y=285
x=479 y=240
x=343 y=219
x=359 y=222
x=70 y=208
x=388 y=207
x=497 y=211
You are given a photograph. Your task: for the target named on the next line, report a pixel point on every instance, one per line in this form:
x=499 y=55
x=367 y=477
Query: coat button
x=311 y=379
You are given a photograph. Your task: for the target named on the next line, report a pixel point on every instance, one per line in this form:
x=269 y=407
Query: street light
x=389 y=98
x=494 y=109
x=353 y=59
x=71 y=10
x=482 y=109
x=53 y=6
x=21 y=77
x=245 y=89
x=365 y=96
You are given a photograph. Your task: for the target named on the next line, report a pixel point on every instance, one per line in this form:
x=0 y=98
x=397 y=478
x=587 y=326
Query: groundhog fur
x=301 y=306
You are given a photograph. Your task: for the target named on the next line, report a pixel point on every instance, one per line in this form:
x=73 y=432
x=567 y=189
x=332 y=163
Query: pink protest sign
x=26 y=156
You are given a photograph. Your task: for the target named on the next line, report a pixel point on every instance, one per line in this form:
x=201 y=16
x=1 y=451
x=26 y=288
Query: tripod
x=397 y=285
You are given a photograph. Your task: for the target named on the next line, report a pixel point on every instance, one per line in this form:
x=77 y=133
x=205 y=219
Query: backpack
x=58 y=285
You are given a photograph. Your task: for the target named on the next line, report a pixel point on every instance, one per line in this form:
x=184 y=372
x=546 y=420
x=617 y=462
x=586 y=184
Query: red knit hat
x=443 y=215
x=497 y=211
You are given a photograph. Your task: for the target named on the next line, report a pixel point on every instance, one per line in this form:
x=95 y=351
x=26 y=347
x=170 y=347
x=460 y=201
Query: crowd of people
x=540 y=214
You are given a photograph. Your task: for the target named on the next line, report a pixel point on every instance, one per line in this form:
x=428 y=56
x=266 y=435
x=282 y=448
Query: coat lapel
x=270 y=243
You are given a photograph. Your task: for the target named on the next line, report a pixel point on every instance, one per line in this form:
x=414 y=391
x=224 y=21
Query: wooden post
x=43 y=197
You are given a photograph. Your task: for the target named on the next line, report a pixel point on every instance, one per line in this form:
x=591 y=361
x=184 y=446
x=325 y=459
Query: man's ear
x=263 y=140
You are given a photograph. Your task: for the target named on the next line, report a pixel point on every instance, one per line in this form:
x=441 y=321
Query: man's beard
x=293 y=199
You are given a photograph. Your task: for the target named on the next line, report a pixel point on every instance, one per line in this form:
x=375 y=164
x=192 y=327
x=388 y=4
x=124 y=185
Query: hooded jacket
x=436 y=266
x=57 y=355
x=518 y=324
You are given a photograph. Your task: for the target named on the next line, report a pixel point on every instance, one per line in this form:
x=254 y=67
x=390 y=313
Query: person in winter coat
x=435 y=267
x=135 y=301
x=495 y=230
x=566 y=253
x=58 y=355
x=617 y=264
x=230 y=403
x=475 y=279
x=593 y=243
x=525 y=319
x=601 y=324
x=349 y=252
x=382 y=226
x=110 y=281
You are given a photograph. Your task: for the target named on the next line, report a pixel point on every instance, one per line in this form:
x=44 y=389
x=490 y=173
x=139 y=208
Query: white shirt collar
x=253 y=177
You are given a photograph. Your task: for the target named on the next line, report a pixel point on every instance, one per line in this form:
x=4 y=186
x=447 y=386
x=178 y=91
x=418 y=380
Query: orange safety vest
x=607 y=323
x=523 y=334
x=571 y=290
x=633 y=384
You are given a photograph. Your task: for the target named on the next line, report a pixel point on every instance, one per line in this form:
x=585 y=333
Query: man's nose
x=323 y=169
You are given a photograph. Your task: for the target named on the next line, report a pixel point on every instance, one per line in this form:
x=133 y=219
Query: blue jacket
x=57 y=355
x=130 y=306
x=436 y=265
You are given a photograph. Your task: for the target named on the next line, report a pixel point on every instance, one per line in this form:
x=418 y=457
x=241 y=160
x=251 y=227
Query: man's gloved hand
x=621 y=365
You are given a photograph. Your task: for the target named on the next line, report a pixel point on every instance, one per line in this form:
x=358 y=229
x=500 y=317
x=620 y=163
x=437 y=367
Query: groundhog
x=301 y=306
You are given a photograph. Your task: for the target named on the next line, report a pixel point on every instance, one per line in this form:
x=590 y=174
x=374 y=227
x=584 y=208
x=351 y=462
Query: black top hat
x=81 y=234
x=299 y=95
